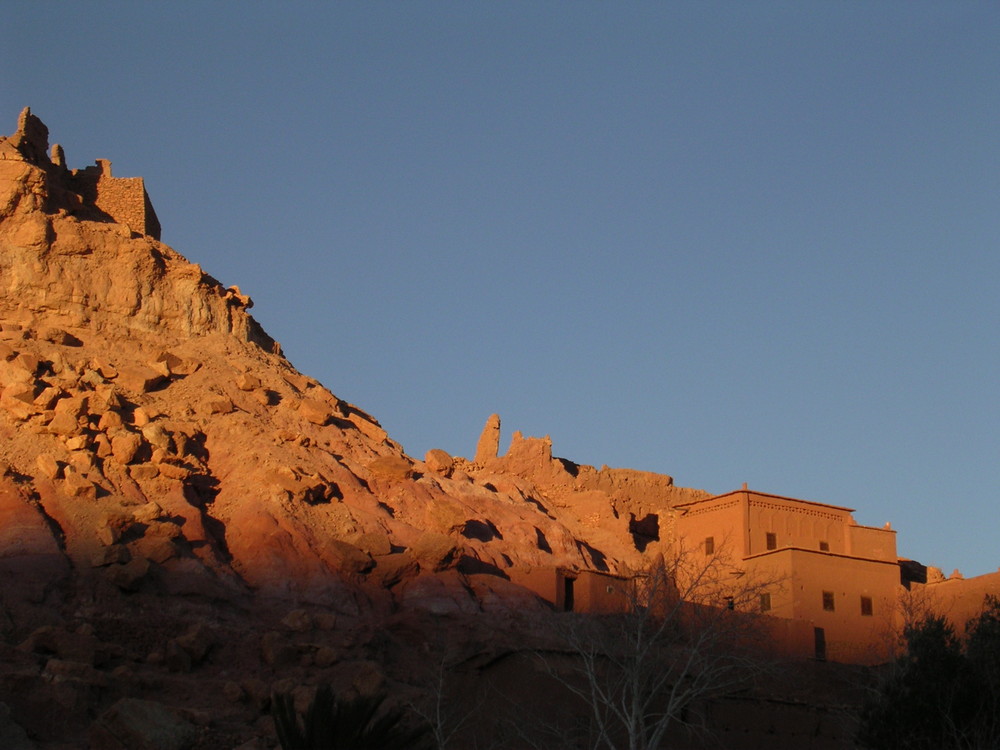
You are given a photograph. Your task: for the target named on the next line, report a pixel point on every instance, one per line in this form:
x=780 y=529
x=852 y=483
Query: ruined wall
x=124 y=199
x=753 y=723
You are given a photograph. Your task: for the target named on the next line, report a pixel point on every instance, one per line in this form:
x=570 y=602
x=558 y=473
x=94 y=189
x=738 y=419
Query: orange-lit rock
x=165 y=471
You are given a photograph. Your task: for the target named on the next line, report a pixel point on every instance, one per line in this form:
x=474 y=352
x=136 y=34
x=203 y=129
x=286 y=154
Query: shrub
x=359 y=723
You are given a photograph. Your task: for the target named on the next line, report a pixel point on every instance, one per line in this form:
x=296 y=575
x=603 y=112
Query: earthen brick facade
x=839 y=580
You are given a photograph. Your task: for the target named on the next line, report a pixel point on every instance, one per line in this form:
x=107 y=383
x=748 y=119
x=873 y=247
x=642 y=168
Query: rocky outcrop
x=68 y=262
x=489 y=441
x=155 y=435
x=162 y=466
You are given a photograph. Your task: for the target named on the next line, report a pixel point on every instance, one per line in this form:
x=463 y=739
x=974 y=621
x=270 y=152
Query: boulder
x=440 y=594
x=196 y=642
x=439 y=462
x=247 y=382
x=347 y=558
x=133 y=724
x=140 y=379
x=298 y=620
x=277 y=651
x=391 y=468
x=64 y=423
x=315 y=411
x=48 y=466
x=216 y=405
x=125 y=446
x=435 y=551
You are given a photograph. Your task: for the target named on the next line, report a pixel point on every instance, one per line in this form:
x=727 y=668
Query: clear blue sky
x=732 y=242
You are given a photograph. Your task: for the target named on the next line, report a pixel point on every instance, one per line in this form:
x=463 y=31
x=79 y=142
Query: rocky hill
x=165 y=473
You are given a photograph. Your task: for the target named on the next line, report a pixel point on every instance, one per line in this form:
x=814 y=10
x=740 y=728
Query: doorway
x=819 y=635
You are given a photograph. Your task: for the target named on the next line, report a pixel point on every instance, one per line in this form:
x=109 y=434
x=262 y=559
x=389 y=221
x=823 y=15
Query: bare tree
x=442 y=708
x=453 y=700
x=688 y=632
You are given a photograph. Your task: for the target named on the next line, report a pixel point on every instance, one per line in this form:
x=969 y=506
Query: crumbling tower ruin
x=97 y=193
x=124 y=199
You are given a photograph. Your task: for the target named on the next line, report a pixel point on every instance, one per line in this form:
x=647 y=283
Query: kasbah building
x=834 y=589
x=834 y=583
x=830 y=588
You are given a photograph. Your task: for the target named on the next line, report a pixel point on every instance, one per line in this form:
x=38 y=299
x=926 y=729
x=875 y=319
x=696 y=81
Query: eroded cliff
x=158 y=453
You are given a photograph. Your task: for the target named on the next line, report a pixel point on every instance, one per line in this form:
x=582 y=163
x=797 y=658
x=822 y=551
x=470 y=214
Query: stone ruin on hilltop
x=118 y=199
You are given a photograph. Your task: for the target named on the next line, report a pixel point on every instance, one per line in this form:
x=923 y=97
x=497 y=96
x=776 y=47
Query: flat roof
x=764 y=494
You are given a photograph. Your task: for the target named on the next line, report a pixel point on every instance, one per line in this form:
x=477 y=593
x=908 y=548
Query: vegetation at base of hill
x=336 y=723
x=688 y=634
x=682 y=633
x=943 y=692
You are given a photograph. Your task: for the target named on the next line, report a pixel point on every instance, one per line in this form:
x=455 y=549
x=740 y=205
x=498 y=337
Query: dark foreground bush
x=358 y=723
x=943 y=693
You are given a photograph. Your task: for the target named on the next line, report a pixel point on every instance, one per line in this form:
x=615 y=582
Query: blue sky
x=727 y=241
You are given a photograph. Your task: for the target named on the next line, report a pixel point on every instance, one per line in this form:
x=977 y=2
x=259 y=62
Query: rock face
x=130 y=377
x=155 y=443
x=68 y=261
x=489 y=440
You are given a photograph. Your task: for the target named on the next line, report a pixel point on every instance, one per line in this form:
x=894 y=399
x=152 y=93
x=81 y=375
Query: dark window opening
x=730 y=603
x=828 y=604
x=567 y=594
x=644 y=530
x=709 y=545
x=866 y=606
x=824 y=546
x=772 y=540
x=765 y=602
x=819 y=637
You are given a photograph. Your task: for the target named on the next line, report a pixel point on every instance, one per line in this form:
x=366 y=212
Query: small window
x=709 y=545
x=765 y=602
x=824 y=546
x=730 y=603
x=611 y=589
x=828 y=601
x=772 y=540
x=866 y=606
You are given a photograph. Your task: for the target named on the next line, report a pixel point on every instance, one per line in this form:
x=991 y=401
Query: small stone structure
x=570 y=590
x=124 y=199
x=92 y=192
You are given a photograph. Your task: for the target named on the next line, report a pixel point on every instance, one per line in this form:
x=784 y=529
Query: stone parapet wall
x=124 y=199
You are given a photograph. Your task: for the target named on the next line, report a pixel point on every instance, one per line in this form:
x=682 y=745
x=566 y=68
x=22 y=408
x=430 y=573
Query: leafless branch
x=688 y=632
